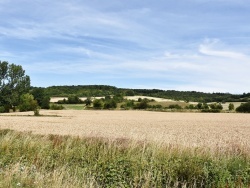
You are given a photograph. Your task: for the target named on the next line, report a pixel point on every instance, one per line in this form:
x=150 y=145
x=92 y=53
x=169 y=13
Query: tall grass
x=28 y=160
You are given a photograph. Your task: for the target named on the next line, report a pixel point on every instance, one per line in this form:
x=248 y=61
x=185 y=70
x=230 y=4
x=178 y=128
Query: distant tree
x=42 y=99
x=107 y=97
x=199 y=106
x=27 y=103
x=244 y=107
x=216 y=106
x=175 y=106
x=98 y=104
x=74 y=99
x=118 y=97
x=129 y=93
x=142 y=105
x=13 y=83
x=110 y=104
x=231 y=106
x=87 y=101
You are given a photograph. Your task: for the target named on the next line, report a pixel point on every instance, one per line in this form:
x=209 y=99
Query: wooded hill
x=104 y=90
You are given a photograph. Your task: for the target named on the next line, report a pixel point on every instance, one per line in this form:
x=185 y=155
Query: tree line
x=104 y=90
x=16 y=92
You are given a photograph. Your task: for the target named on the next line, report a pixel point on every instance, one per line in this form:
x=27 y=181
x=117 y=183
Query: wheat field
x=183 y=129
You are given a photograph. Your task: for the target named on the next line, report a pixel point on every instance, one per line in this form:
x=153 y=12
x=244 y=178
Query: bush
x=110 y=104
x=2 y=109
x=56 y=107
x=73 y=99
x=175 y=106
x=142 y=105
x=129 y=104
x=27 y=103
x=231 y=106
x=40 y=96
x=244 y=108
x=87 y=101
x=98 y=104
x=215 y=106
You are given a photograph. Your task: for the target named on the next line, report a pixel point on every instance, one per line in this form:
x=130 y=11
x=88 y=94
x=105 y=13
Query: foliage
x=2 y=109
x=143 y=104
x=87 y=101
x=27 y=103
x=13 y=83
x=102 y=90
x=244 y=107
x=72 y=99
x=28 y=160
x=215 y=106
x=37 y=111
x=42 y=99
x=110 y=104
x=175 y=106
x=98 y=104
x=56 y=107
x=231 y=106
x=128 y=104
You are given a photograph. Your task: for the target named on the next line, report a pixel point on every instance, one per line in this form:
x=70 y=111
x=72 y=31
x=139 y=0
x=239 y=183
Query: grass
x=74 y=106
x=28 y=160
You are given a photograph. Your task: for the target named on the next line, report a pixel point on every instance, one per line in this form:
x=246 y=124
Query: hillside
x=104 y=90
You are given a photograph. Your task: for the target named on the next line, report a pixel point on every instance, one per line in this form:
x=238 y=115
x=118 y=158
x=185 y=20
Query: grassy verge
x=28 y=160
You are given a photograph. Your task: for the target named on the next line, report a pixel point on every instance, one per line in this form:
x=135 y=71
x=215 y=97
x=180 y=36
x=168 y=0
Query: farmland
x=106 y=148
x=184 y=129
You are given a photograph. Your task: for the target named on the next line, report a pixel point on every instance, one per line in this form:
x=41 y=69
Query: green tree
x=74 y=99
x=244 y=107
x=231 y=106
x=110 y=104
x=13 y=83
x=27 y=103
x=42 y=99
x=87 y=101
x=216 y=106
x=142 y=105
x=98 y=104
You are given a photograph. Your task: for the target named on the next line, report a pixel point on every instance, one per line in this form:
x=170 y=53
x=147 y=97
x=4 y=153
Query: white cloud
x=207 y=49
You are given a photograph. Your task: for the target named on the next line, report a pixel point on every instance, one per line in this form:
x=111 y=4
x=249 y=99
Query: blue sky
x=190 y=45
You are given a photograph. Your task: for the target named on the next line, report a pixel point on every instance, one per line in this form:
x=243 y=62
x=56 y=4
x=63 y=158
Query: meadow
x=103 y=148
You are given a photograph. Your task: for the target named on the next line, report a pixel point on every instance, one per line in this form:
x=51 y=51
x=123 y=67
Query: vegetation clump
x=244 y=108
x=28 y=160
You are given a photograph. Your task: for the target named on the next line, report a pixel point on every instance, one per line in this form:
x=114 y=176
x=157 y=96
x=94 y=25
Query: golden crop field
x=218 y=130
x=184 y=129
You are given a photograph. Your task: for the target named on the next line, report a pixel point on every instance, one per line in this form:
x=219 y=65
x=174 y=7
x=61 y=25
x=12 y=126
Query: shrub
x=231 y=106
x=175 y=106
x=73 y=99
x=27 y=103
x=56 y=107
x=142 y=105
x=98 y=104
x=244 y=107
x=110 y=104
x=36 y=112
x=217 y=106
x=2 y=109
x=87 y=101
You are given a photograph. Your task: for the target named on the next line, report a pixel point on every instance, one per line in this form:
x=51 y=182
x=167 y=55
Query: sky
x=185 y=45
